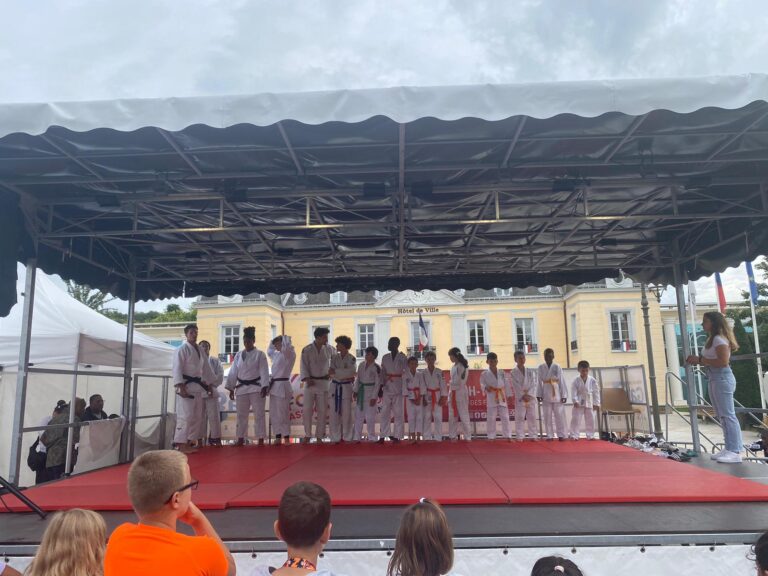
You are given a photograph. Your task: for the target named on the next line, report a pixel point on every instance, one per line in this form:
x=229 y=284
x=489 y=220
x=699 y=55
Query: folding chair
x=615 y=402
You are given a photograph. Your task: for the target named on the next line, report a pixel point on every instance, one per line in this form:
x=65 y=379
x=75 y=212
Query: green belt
x=361 y=394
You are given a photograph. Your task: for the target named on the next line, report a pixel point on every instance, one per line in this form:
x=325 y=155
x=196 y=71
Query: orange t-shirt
x=137 y=549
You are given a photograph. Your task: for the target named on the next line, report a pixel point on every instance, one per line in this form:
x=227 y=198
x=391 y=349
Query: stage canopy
x=450 y=187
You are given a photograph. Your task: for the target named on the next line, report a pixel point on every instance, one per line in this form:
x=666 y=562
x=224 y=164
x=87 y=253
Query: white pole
x=692 y=302
x=757 y=351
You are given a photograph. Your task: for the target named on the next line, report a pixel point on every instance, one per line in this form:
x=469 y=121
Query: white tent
x=65 y=331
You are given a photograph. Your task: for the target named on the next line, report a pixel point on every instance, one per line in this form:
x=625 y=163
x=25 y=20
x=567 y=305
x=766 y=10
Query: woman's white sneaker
x=730 y=458
x=717 y=455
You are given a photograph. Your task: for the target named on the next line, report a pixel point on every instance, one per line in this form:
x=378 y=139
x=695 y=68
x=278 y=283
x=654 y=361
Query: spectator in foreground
x=304 y=524
x=55 y=441
x=95 y=410
x=73 y=544
x=760 y=553
x=160 y=488
x=555 y=566
x=424 y=545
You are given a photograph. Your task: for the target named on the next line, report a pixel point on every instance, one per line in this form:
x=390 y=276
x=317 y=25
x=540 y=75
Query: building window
x=477 y=343
x=273 y=331
x=338 y=297
x=574 y=339
x=413 y=349
x=502 y=292
x=621 y=332
x=365 y=338
x=230 y=339
x=524 y=338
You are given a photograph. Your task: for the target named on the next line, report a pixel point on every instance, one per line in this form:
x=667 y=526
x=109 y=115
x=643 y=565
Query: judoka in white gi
x=366 y=395
x=191 y=372
x=393 y=365
x=283 y=355
x=414 y=392
x=435 y=397
x=552 y=392
x=494 y=383
x=314 y=370
x=342 y=372
x=458 y=404
x=524 y=383
x=586 y=398
x=248 y=385
x=211 y=414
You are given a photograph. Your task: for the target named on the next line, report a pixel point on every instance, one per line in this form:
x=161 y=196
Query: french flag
x=625 y=346
x=423 y=336
x=720 y=292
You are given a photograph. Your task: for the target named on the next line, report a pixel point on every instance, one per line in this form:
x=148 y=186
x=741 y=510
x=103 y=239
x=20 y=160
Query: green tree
x=745 y=371
x=91 y=297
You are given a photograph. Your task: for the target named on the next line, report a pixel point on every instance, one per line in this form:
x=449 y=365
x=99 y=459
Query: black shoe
x=394 y=439
x=380 y=440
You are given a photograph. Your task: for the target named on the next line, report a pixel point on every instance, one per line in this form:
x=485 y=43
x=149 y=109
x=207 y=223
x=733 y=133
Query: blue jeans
x=722 y=385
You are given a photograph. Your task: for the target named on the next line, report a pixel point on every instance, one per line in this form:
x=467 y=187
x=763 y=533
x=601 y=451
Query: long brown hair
x=720 y=328
x=424 y=545
x=73 y=545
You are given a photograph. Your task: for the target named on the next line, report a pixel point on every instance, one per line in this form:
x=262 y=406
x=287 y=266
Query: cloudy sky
x=104 y=49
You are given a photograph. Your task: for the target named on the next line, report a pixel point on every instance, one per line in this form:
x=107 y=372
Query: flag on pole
x=752 y=284
x=423 y=336
x=720 y=292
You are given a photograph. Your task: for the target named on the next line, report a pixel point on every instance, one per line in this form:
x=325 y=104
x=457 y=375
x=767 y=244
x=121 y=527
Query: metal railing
x=624 y=345
x=479 y=350
x=414 y=351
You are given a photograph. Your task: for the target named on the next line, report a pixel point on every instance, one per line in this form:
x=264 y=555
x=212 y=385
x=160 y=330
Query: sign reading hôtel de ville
x=418 y=310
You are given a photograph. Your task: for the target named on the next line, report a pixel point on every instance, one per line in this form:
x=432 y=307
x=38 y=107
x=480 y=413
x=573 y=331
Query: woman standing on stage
x=715 y=358
x=458 y=405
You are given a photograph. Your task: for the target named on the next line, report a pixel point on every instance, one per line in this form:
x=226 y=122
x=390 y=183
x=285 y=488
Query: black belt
x=194 y=380
x=279 y=379
x=319 y=377
x=252 y=382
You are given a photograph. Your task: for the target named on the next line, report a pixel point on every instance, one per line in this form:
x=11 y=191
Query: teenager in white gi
x=315 y=366
x=458 y=405
x=191 y=373
x=211 y=414
x=435 y=397
x=494 y=383
x=524 y=383
x=393 y=365
x=586 y=398
x=248 y=385
x=552 y=393
x=414 y=391
x=366 y=395
x=343 y=370
x=283 y=355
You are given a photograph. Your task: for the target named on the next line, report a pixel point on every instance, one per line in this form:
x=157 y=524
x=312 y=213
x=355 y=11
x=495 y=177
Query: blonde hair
x=424 y=545
x=154 y=477
x=720 y=328
x=73 y=545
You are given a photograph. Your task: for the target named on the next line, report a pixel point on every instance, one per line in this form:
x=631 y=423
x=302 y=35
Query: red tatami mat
x=480 y=472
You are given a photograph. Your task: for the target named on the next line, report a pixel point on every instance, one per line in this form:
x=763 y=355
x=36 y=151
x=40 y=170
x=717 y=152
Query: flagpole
x=757 y=351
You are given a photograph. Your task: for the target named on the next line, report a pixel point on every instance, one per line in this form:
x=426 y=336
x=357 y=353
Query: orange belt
x=554 y=388
x=394 y=376
x=500 y=397
x=453 y=403
x=434 y=395
x=416 y=393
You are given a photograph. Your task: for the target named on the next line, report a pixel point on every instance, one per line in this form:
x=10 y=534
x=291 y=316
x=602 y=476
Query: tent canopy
x=65 y=331
x=453 y=187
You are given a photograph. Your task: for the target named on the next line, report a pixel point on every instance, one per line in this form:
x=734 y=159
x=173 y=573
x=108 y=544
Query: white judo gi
x=366 y=388
x=280 y=391
x=211 y=414
x=497 y=390
x=435 y=389
x=343 y=371
x=190 y=366
x=248 y=377
x=458 y=402
x=414 y=392
x=552 y=390
x=585 y=395
x=315 y=364
x=524 y=382
x=392 y=370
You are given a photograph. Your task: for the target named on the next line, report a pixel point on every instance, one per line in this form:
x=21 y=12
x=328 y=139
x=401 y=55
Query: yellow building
x=600 y=322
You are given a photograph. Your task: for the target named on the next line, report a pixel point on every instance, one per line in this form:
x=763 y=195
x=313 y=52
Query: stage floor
x=479 y=473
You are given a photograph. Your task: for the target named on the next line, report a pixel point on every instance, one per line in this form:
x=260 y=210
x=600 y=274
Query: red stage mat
x=480 y=472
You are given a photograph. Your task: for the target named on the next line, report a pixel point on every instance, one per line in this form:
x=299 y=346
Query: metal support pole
x=71 y=430
x=682 y=319
x=134 y=414
x=127 y=373
x=163 y=414
x=651 y=363
x=23 y=375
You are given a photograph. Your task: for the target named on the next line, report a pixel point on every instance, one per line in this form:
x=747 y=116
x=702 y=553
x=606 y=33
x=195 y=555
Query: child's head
x=492 y=359
x=304 y=516
x=159 y=482
x=430 y=358
x=393 y=345
x=343 y=344
x=555 y=566
x=760 y=553
x=424 y=545
x=520 y=357
x=371 y=353
x=583 y=367
x=549 y=355
x=413 y=363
